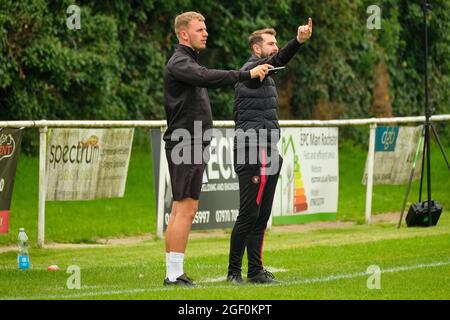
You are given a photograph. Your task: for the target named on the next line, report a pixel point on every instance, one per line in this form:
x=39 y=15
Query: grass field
x=315 y=264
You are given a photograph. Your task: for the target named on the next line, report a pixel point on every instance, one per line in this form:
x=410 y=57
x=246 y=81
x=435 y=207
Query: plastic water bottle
x=22 y=257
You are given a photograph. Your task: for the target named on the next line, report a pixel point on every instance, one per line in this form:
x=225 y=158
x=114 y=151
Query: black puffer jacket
x=255 y=102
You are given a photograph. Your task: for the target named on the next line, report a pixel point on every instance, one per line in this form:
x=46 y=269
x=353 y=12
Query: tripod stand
x=425 y=135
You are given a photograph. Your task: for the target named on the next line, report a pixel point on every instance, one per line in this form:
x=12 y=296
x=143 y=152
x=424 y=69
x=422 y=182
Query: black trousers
x=256 y=193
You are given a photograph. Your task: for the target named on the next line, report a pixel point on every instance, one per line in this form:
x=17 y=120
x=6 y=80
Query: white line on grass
x=362 y=274
x=284 y=283
x=219 y=279
x=223 y=278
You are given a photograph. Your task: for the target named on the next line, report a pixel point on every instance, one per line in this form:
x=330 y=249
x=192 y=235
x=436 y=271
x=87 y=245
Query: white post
x=161 y=190
x=370 y=166
x=269 y=223
x=42 y=184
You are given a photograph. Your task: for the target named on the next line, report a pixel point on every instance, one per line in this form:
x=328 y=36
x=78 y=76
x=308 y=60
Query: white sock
x=175 y=265
x=167 y=264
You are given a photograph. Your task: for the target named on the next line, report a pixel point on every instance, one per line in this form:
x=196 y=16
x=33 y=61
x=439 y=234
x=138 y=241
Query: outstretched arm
x=286 y=53
x=193 y=74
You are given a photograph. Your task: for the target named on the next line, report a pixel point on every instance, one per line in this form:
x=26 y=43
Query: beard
x=268 y=54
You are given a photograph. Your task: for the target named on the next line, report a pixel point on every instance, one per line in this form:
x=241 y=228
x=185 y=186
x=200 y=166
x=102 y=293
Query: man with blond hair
x=255 y=109
x=188 y=111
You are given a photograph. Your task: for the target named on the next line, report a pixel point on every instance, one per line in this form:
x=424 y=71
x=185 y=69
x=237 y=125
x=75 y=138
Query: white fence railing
x=43 y=125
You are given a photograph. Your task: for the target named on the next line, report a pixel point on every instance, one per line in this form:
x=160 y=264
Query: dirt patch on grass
x=390 y=217
x=299 y=228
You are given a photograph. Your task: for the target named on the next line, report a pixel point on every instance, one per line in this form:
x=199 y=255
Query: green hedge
x=112 y=68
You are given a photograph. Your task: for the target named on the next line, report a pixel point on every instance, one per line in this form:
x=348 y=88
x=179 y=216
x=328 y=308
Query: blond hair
x=182 y=20
x=256 y=36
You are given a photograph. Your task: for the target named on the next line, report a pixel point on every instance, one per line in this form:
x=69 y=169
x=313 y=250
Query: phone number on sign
x=200 y=218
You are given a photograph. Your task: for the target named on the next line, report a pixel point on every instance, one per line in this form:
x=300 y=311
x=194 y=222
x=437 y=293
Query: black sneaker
x=235 y=278
x=182 y=280
x=263 y=276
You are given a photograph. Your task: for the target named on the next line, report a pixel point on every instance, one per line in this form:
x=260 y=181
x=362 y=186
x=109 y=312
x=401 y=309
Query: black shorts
x=186 y=179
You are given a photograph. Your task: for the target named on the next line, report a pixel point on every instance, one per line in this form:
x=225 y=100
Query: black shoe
x=263 y=276
x=182 y=280
x=235 y=278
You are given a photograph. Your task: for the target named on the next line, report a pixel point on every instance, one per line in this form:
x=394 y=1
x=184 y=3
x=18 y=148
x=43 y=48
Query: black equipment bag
x=418 y=214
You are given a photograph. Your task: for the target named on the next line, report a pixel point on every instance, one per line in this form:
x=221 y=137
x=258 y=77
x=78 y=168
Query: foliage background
x=112 y=68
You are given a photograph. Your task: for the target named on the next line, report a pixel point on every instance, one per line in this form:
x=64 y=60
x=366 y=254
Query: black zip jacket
x=186 y=97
